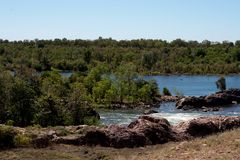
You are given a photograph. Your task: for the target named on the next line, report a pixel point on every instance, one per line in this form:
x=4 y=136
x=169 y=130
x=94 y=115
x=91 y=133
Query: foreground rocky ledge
x=145 y=130
x=212 y=101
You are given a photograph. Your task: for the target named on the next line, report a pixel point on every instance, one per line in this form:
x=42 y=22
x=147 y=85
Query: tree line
x=149 y=56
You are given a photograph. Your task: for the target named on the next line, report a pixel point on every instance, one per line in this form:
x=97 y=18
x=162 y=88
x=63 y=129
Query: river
x=189 y=86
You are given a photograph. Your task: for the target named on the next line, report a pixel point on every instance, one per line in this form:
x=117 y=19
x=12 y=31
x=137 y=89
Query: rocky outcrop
x=155 y=130
x=147 y=130
x=231 y=96
x=41 y=141
x=204 y=126
x=144 y=131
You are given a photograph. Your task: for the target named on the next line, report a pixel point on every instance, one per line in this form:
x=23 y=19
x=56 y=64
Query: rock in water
x=218 y=99
x=189 y=102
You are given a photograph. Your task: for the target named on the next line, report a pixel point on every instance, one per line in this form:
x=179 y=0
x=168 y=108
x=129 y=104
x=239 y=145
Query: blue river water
x=188 y=86
x=193 y=85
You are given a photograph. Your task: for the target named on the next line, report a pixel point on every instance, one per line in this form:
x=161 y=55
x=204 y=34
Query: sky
x=215 y=20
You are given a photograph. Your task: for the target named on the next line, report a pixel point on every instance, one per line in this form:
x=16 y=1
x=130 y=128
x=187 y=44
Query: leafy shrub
x=22 y=140
x=91 y=121
x=166 y=92
x=50 y=112
x=10 y=123
x=7 y=135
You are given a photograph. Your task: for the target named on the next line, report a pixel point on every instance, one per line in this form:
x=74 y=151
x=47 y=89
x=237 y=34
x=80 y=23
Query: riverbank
x=142 y=132
x=221 y=146
x=68 y=73
x=139 y=105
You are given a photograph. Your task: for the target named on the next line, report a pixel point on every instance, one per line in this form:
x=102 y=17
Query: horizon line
x=118 y=40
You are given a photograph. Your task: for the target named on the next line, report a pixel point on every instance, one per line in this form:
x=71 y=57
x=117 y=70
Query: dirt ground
x=222 y=146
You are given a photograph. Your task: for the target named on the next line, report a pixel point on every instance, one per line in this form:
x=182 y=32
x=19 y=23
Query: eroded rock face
x=41 y=141
x=148 y=131
x=120 y=137
x=145 y=130
x=204 y=126
x=156 y=130
x=231 y=96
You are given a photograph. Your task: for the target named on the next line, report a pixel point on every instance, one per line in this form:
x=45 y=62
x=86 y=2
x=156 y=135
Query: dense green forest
x=149 y=56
